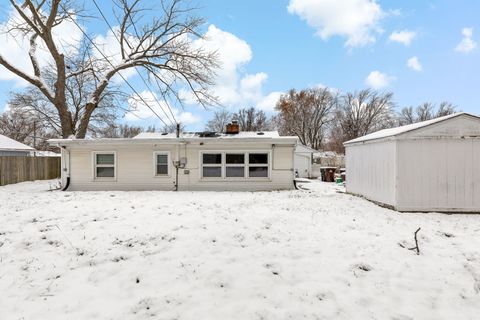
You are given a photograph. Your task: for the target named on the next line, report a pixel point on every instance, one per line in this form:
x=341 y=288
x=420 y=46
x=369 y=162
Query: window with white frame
x=104 y=163
x=235 y=165
x=258 y=165
x=212 y=165
x=161 y=164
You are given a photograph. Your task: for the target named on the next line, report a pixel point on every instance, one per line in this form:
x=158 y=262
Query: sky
x=422 y=51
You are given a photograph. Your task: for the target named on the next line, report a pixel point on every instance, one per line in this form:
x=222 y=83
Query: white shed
x=427 y=166
x=303 y=159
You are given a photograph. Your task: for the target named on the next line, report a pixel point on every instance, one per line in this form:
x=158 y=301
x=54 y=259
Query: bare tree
x=219 y=121
x=160 y=45
x=306 y=114
x=360 y=113
x=424 y=112
x=77 y=88
x=123 y=131
x=23 y=126
x=251 y=119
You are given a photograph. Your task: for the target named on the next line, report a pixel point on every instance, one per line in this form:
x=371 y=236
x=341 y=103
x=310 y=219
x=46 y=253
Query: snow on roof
x=403 y=129
x=240 y=135
x=300 y=148
x=7 y=144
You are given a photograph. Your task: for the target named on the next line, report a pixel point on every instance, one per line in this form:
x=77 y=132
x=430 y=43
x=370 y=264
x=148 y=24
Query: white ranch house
x=427 y=166
x=245 y=161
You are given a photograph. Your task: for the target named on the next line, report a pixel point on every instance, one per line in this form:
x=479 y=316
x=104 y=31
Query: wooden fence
x=19 y=169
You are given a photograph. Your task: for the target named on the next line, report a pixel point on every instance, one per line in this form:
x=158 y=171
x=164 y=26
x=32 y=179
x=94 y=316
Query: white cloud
x=269 y=102
x=405 y=37
x=234 y=87
x=14 y=47
x=378 y=80
x=139 y=111
x=356 y=20
x=467 y=44
x=414 y=64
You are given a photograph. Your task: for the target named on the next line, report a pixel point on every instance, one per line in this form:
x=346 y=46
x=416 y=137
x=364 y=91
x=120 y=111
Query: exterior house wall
x=439 y=175
x=371 y=171
x=135 y=167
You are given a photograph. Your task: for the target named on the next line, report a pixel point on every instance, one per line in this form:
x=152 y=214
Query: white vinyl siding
x=135 y=168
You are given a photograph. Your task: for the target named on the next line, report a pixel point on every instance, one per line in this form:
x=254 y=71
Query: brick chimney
x=232 y=128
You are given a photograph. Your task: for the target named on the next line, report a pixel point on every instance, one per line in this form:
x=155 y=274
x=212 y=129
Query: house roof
x=301 y=148
x=240 y=135
x=392 y=132
x=7 y=144
x=149 y=138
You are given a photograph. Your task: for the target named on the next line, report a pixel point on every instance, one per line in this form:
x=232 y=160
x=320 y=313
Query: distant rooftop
x=213 y=135
x=404 y=129
x=7 y=144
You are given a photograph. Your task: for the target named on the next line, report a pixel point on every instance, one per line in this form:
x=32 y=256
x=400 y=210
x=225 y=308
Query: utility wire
x=119 y=73
x=174 y=122
x=155 y=76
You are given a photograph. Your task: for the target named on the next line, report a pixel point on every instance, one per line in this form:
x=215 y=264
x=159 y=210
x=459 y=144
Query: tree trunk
x=65 y=121
x=83 y=127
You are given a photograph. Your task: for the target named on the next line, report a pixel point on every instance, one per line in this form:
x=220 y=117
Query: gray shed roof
x=392 y=132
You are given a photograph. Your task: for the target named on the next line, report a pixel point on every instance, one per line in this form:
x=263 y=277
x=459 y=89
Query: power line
x=138 y=72
x=119 y=73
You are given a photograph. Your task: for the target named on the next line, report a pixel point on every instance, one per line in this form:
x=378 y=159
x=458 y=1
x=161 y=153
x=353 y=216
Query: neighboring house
x=194 y=161
x=12 y=148
x=303 y=161
x=428 y=166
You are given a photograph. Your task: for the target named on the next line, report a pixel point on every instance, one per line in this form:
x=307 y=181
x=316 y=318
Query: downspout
x=66 y=167
x=177 y=161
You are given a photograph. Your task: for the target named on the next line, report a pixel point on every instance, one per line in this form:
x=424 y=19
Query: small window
x=161 y=165
x=258 y=158
x=258 y=165
x=104 y=165
x=212 y=165
x=235 y=165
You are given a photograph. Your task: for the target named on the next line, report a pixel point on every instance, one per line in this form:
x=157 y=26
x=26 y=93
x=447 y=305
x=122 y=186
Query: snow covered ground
x=307 y=254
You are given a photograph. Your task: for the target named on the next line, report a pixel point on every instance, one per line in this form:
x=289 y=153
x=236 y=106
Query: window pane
x=235 y=172
x=235 y=158
x=212 y=172
x=258 y=172
x=106 y=172
x=256 y=158
x=162 y=159
x=212 y=158
x=105 y=159
x=162 y=169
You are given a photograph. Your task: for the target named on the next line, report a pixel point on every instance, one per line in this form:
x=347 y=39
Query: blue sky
x=271 y=46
